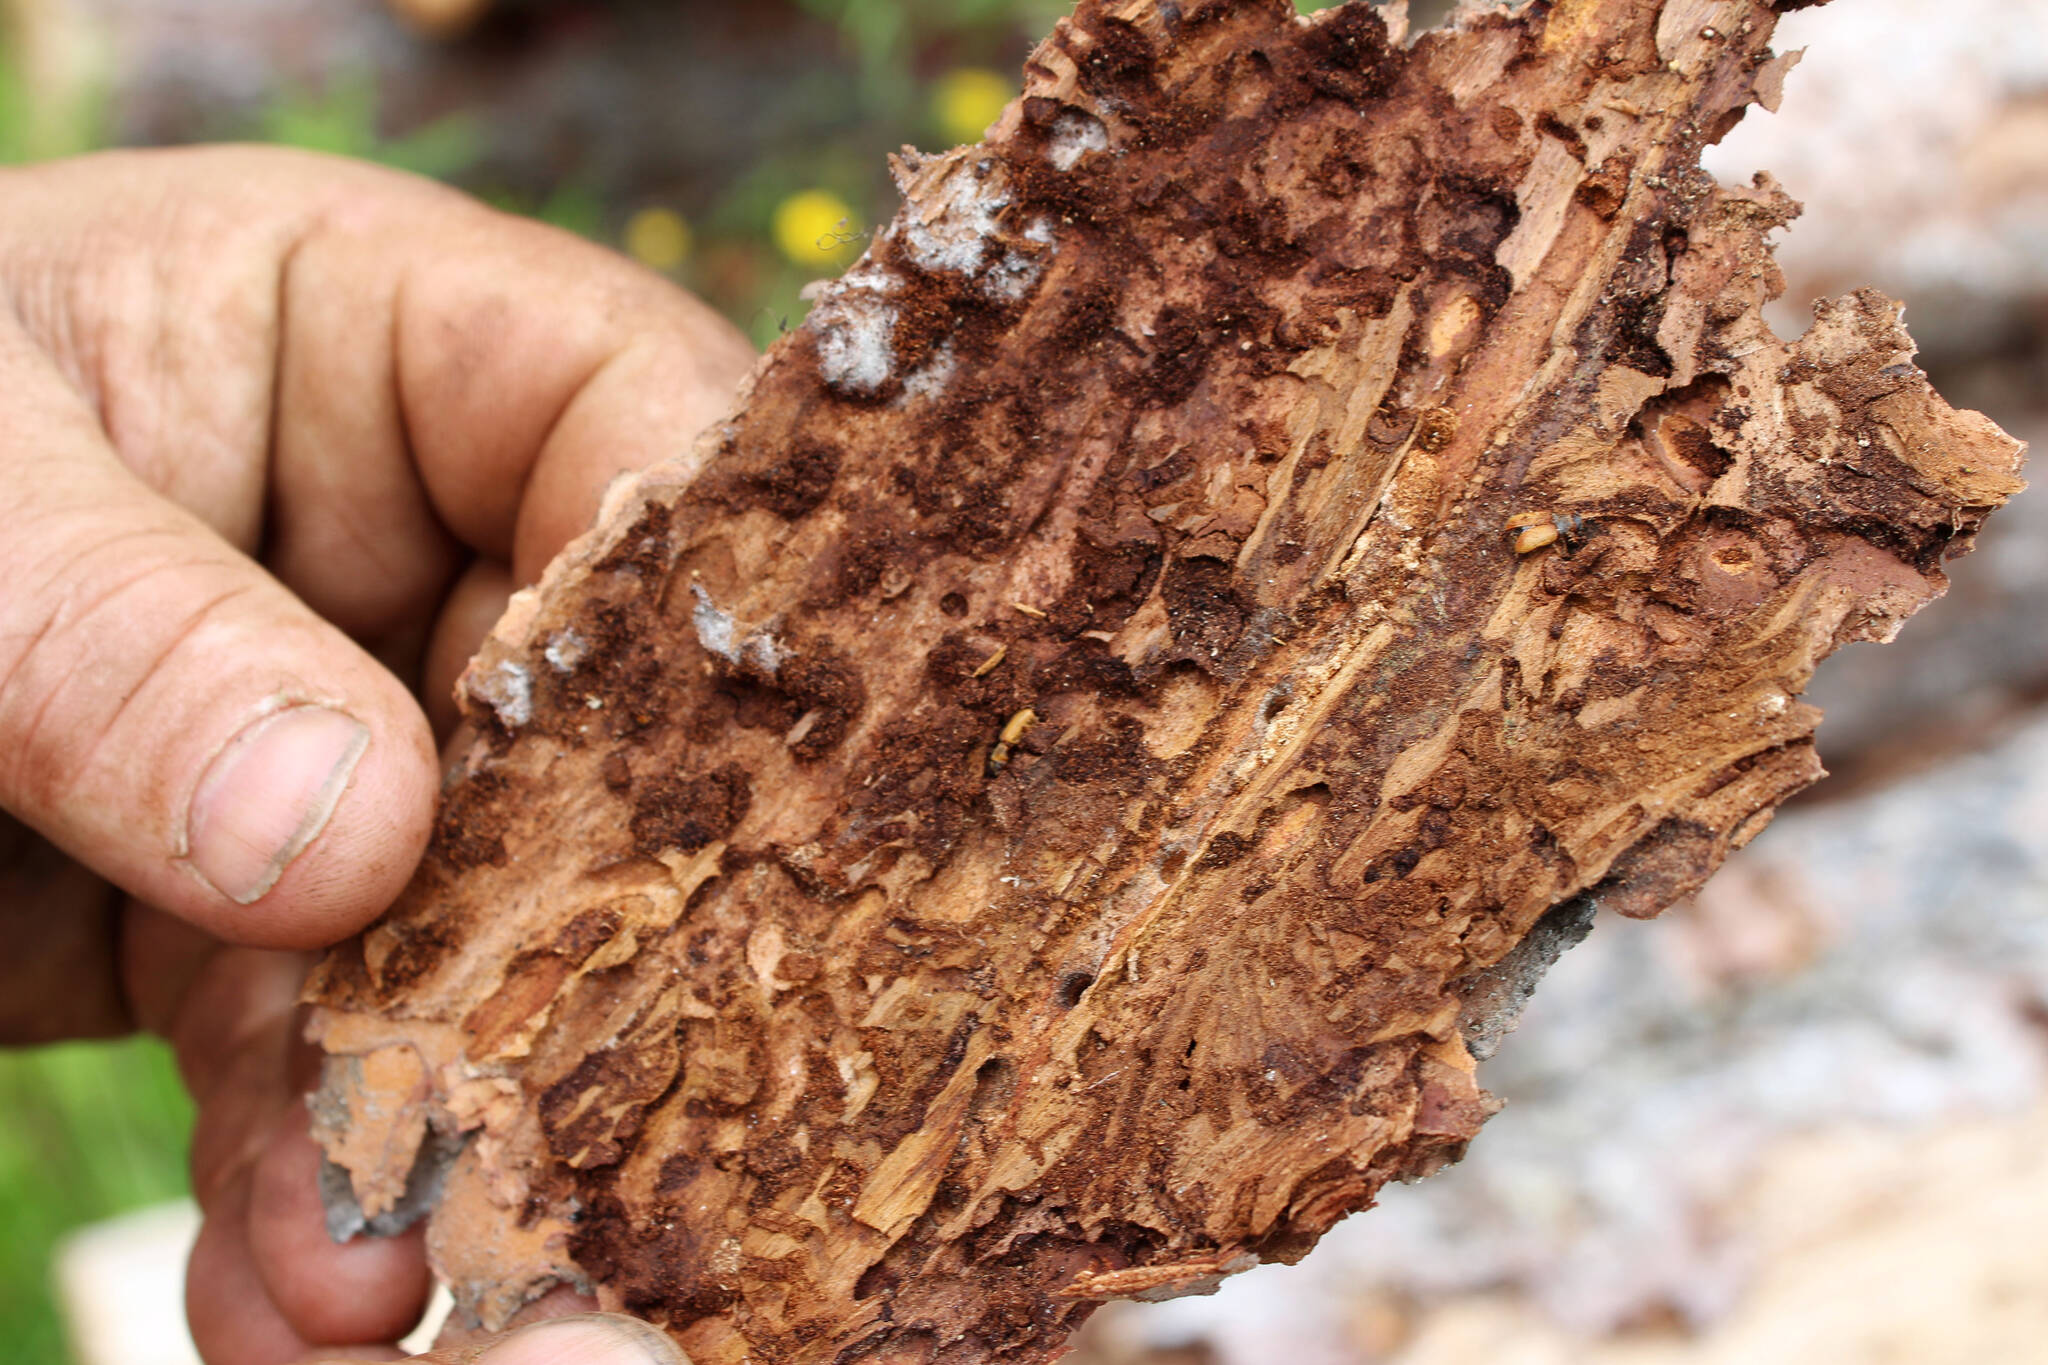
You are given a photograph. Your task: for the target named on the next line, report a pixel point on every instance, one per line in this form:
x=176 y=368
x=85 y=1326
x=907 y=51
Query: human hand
x=279 y=431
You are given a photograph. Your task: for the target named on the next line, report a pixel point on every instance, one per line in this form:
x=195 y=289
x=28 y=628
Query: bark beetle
x=793 y=1006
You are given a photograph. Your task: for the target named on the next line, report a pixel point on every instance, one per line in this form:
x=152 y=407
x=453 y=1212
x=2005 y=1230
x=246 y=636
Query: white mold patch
x=938 y=372
x=566 y=650
x=1074 y=135
x=870 y=276
x=856 y=328
x=1019 y=272
x=715 y=629
x=720 y=635
x=508 y=689
x=763 y=653
x=856 y=342
x=951 y=227
x=1013 y=276
x=951 y=233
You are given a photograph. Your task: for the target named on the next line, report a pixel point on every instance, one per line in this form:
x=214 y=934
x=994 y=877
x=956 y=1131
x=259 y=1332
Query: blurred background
x=1803 y=1118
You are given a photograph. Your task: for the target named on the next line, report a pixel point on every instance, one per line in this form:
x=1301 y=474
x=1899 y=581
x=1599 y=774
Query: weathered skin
x=1186 y=412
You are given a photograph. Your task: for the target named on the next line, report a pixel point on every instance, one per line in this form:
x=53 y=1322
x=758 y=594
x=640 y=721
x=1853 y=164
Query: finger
x=474 y=605
x=233 y=1035
x=645 y=404
x=592 y=1339
x=230 y=1315
x=173 y=718
x=368 y=1290
x=161 y=956
x=503 y=368
x=563 y=1301
x=438 y=367
x=61 y=922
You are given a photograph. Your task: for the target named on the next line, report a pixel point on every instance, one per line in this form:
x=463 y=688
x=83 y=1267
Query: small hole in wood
x=1734 y=558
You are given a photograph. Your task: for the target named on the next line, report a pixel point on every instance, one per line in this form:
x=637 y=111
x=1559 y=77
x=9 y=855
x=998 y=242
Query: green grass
x=343 y=118
x=87 y=1130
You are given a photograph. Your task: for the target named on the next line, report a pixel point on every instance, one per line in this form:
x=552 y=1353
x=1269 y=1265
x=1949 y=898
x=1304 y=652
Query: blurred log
x=1925 y=165
x=1032 y=810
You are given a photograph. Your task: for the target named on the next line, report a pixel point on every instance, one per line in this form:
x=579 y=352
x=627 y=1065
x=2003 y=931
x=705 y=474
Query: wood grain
x=752 y=984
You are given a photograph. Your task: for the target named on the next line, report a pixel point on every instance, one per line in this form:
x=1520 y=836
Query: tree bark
x=1046 y=802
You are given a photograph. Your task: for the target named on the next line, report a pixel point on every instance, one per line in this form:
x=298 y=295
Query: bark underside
x=754 y=981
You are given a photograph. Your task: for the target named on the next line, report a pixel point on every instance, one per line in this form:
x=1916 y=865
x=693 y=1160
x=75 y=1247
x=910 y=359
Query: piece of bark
x=785 y=1004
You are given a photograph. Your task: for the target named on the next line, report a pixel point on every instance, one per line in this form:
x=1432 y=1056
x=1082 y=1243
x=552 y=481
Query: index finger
x=523 y=369
x=360 y=372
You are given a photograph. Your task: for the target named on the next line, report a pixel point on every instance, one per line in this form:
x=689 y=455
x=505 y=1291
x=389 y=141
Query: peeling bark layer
x=1032 y=810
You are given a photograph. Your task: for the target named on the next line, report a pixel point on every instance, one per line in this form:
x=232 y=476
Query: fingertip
x=563 y=1301
x=230 y=1315
x=198 y=736
x=308 y=822
x=367 y=1290
x=587 y=1339
x=646 y=405
x=268 y=794
x=473 y=606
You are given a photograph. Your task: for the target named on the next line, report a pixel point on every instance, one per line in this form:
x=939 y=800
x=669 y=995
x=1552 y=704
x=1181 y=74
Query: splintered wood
x=1048 y=801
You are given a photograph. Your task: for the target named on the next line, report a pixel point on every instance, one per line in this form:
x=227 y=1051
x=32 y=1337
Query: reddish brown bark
x=1202 y=414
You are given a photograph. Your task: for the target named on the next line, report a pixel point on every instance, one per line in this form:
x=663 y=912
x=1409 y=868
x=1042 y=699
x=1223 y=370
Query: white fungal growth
x=761 y=650
x=509 y=690
x=856 y=343
x=720 y=635
x=1020 y=271
x=951 y=231
x=1012 y=277
x=953 y=228
x=715 y=629
x=1074 y=135
x=565 y=651
x=856 y=329
x=931 y=381
x=870 y=276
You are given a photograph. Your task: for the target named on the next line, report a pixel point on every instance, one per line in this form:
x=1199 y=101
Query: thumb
x=171 y=716
x=593 y=1339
